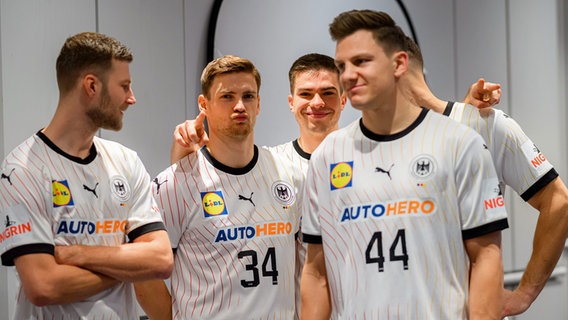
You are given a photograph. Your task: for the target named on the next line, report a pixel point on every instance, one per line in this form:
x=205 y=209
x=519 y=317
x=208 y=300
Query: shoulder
x=113 y=148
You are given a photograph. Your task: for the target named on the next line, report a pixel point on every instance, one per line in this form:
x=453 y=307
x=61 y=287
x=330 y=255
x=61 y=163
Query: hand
x=516 y=302
x=483 y=94
x=191 y=132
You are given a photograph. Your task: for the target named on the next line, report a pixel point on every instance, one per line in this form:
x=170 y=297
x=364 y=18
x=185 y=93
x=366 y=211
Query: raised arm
x=483 y=94
x=314 y=287
x=189 y=136
x=148 y=257
x=548 y=243
x=486 y=276
x=45 y=282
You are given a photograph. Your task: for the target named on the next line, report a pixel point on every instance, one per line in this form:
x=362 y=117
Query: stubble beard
x=104 y=116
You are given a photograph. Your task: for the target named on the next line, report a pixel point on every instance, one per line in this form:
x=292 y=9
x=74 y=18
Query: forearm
x=179 y=151
x=130 y=262
x=486 y=287
x=549 y=237
x=316 y=302
x=154 y=298
x=314 y=287
x=45 y=282
x=486 y=276
x=548 y=244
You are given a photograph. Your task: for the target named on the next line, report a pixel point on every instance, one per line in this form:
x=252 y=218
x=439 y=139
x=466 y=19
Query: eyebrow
x=311 y=89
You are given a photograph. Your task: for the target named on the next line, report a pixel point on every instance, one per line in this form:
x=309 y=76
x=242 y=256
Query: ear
x=343 y=100
x=90 y=84
x=400 y=63
x=202 y=101
x=290 y=100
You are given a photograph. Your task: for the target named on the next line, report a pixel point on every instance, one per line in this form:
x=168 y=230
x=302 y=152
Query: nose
x=130 y=99
x=347 y=75
x=240 y=106
x=316 y=101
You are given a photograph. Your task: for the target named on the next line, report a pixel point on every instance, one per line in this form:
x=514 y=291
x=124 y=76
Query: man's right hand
x=189 y=136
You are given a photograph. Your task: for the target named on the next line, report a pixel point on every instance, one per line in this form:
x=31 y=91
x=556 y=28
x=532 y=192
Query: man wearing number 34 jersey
x=231 y=212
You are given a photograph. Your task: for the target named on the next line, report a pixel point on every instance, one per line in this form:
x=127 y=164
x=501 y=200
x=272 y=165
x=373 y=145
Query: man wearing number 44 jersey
x=403 y=209
x=231 y=212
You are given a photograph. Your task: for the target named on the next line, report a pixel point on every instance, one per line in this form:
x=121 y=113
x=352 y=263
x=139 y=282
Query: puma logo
x=158 y=184
x=7 y=177
x=247 y=199
x=9 y=222
x=94 y=190
x=381 y=170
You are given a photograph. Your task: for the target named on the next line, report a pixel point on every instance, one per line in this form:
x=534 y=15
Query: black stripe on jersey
x=92 y=152
x=380 y=137
x=310 y=238
x=299 y=150
x=540 y=184
x=448 y=109
x=485 y=229
x=9 y=256
x=147 y=228
x=227 y=169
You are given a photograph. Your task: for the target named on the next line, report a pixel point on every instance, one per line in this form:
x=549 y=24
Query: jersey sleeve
x=144 y=215
x=523 y=166
x=314 y=196
x=25 y=201
x=480 y=200
x=171 y=203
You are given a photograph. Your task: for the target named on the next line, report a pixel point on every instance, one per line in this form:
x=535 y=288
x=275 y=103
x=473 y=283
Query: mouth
x=240 y=118
x=318 y=115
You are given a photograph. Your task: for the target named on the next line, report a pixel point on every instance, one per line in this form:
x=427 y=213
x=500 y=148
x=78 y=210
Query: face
x=366 y=72
x=316 y=101
x=114 y=98
x=233 y=105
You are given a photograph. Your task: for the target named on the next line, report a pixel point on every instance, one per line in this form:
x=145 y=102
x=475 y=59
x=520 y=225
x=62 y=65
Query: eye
x=249 y=96
x=359 y=61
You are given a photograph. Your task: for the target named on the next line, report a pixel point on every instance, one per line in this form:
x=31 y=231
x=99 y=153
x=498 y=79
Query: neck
x=309 y=141
x=421 y=95
x=70 y=131
x=232 y=152
x=392 y=116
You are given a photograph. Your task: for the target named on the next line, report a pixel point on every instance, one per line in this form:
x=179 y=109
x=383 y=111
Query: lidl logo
x=61 y=194
x=341 y=175
x=213 y=204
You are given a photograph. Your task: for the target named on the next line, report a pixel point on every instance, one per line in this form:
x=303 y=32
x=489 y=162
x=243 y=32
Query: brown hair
x=223 y=65
x=311 y=62
x=384 y=29
x=87 y=52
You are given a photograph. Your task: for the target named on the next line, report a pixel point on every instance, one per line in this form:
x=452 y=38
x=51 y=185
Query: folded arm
x=45 y=282
x=148 y=257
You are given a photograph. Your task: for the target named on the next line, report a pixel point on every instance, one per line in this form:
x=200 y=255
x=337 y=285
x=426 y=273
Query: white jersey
x=519 y=163
x=392 y=213
x=300 y=159
x=50 y=198
x=233 y=232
